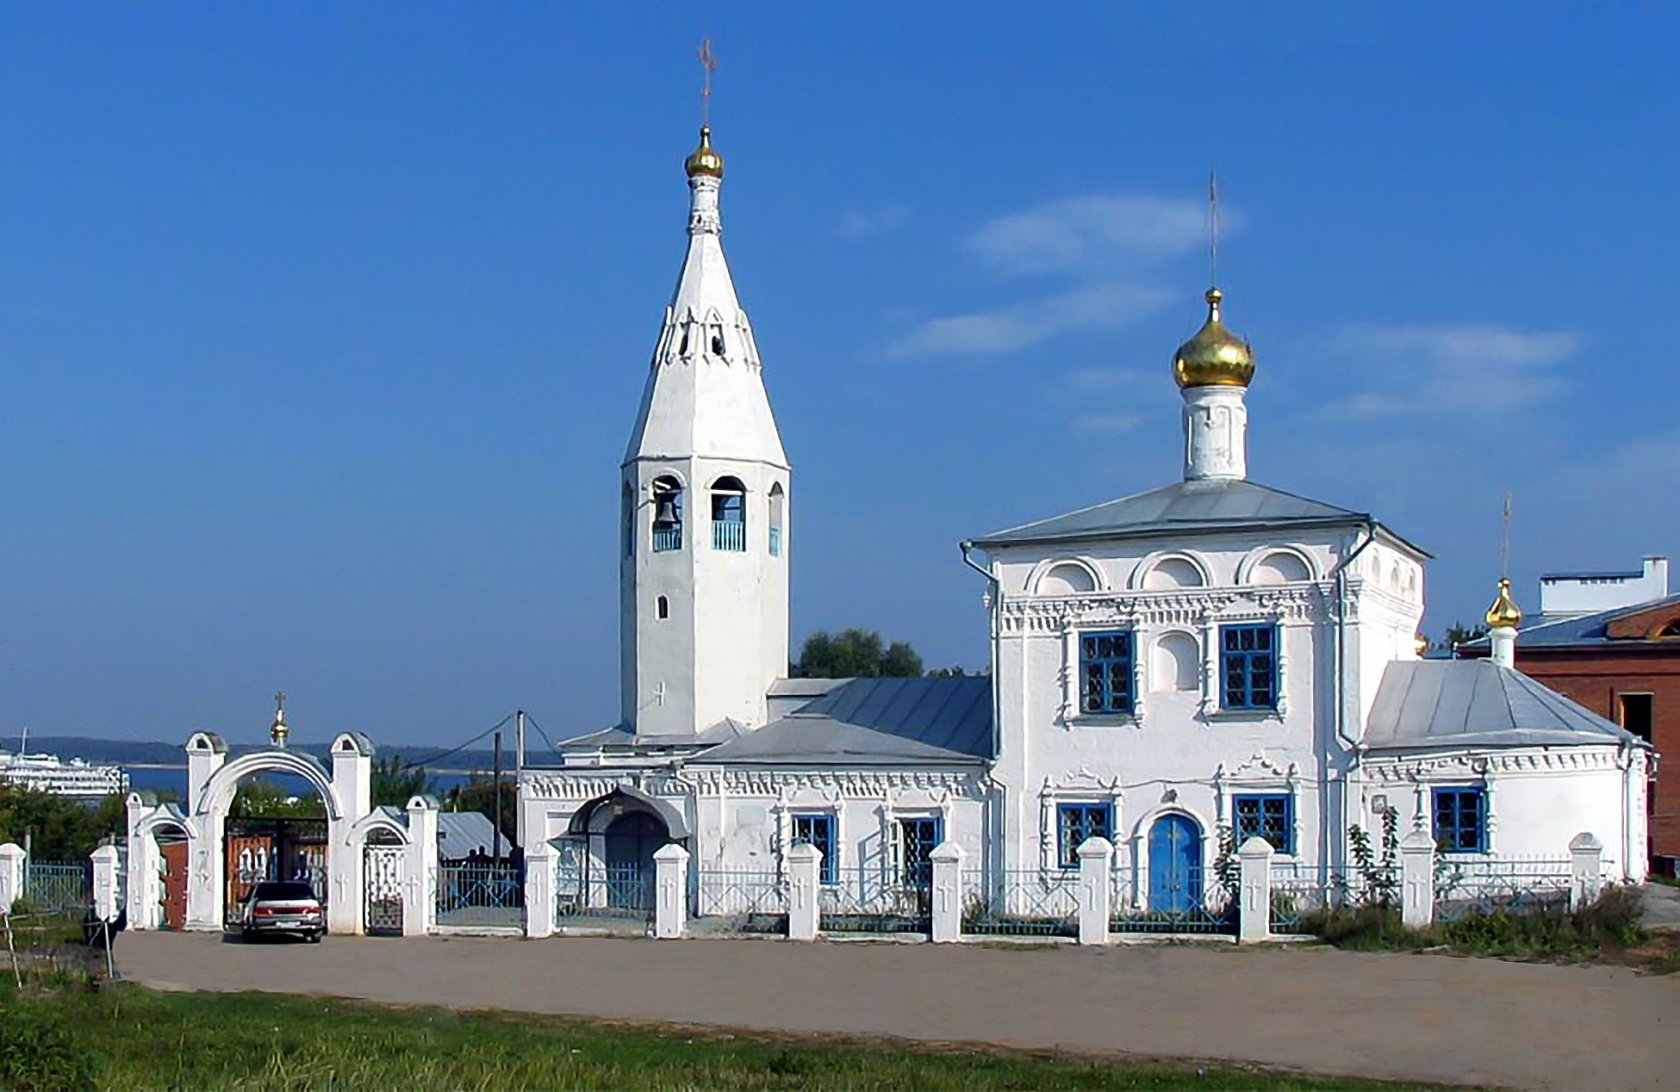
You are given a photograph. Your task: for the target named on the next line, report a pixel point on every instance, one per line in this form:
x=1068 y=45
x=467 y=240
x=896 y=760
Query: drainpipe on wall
x=1339 y=575
x=995 y=628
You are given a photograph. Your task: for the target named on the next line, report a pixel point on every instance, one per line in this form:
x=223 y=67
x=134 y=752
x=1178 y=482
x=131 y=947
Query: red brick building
x=1624 y=664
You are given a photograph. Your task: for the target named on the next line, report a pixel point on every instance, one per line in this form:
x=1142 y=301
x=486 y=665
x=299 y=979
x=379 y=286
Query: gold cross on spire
x=280 y=701
x=709 y=63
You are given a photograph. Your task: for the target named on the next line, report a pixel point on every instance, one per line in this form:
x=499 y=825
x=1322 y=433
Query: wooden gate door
x=174 y=885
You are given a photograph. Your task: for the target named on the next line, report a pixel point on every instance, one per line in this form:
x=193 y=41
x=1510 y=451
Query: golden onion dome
x=704 y=159
x=1215 y=357
x=1504 y=614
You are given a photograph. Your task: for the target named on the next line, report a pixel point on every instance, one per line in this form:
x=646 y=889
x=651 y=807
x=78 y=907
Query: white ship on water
x=49 y=773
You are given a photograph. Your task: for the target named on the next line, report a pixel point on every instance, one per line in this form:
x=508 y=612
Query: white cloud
x=1083 y=234
x=1109 y=379
x=878 y=221
x=1448 y=369
x=1098 y=304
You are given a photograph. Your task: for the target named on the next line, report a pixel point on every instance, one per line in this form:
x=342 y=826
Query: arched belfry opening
x=667 y=513
x=729 y=514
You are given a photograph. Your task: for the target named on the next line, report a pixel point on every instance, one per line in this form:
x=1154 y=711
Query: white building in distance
x=1174 y=671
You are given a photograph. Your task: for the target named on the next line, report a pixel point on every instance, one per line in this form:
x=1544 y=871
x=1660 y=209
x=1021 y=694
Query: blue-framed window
x=1269 y=815
x=1077 y=823
x=818 y=830
x=1461 y=820
x=1248 y=666
x=1105 y=672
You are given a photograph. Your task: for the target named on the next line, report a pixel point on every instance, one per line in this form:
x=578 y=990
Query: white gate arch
x=211 y=782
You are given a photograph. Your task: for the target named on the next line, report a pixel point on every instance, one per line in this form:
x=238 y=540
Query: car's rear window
x=283 y=891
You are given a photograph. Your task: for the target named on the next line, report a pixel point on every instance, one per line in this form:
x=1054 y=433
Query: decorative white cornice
x=835 y=785
x=1286 y=603
x=1402 y=768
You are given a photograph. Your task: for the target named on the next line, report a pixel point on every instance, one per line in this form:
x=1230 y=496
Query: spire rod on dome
x=709 y=63
x=1213 y=228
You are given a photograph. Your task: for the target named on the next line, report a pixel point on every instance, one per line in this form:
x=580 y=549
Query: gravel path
x=1421 y=1017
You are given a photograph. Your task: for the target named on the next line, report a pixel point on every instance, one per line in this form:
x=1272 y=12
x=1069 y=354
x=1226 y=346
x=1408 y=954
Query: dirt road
x=1422 y=1017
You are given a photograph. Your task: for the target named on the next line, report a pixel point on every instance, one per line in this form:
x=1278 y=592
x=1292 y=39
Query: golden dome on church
x=704 y=159
x=1215 y=357
x=1504 y=614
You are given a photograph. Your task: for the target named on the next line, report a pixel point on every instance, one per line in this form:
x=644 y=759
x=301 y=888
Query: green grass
x=1608 y=925
x=62 y=1034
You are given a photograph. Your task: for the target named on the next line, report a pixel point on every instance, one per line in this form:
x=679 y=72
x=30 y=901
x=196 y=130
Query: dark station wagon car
x=285 y=908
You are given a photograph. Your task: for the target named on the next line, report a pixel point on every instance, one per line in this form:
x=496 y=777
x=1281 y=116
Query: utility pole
x=496 y=819
x=519 y=772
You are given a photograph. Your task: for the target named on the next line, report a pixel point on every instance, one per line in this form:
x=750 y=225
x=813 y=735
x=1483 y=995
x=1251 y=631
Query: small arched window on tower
x=627 y=517
x=715 y=334
x=729 y=514
x=667 y=514
x=662 y=608
x=777 y=499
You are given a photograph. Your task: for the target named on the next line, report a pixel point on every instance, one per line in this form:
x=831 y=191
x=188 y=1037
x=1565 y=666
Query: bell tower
x=704 y=535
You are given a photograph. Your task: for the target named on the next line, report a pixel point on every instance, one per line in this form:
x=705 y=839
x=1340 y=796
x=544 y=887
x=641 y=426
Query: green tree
x=263 y=799
x=955 y=672
x=58 y=828
x=1458 y=633
x=395 y=784
x=856 y=654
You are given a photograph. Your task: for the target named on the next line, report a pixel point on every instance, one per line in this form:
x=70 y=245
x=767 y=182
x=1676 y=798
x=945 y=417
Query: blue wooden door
x=1175 y=865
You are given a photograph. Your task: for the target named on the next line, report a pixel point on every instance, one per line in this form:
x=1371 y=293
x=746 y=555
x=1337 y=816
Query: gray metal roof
x=1580 y=629
x=1182 y=506
x=1477 y=703
x=876 y=722
x=461 y=832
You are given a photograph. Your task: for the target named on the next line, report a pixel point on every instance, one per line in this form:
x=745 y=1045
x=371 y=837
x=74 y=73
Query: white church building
x=1174 y=671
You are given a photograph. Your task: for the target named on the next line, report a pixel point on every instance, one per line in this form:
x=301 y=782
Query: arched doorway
x=1175 y=864
x=383 y=853
x=172 y=845
x=606 y=855
x=628 y=845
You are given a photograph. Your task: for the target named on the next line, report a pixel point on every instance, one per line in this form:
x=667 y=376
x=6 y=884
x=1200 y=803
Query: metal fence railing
x=1465 y=887
x=743 y=900
x=875 y=899
x=1027 y=902
x=584 y=889
x=1190 y=901
x=57 y=887
x=480 y=895
x=1302 y=894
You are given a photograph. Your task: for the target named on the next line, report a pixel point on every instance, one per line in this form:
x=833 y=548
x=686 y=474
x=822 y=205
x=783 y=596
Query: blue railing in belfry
x=729 y=536
x=667 y=538
x=775 y=542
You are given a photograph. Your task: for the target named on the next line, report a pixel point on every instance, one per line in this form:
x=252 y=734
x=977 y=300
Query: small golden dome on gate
x=1504 y=614
x=1215 y=357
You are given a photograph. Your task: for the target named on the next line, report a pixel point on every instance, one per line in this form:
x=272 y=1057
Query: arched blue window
x=667 y=514
x=729 y=514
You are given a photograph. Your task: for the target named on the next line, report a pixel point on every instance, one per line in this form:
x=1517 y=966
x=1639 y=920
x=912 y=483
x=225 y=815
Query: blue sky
x=322 y=327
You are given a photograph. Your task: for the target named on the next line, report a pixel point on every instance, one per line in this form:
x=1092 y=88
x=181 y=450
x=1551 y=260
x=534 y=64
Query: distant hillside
x=123 y=752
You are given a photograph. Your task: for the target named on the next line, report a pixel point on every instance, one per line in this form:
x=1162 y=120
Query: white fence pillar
x=804 y=862
x=1254 y=890
x=540 y=863
x=1586 y=869
x=420 y=868
x=670 y=891
x=14 y=862
x=105 y=904
x=1417 y=880
x=947 y=858
x=1095 y=890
